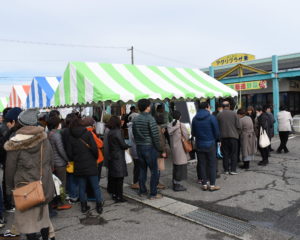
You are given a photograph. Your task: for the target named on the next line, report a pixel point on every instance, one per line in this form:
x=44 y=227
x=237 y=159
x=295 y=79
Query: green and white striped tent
x=90 y=82
x=3 y=103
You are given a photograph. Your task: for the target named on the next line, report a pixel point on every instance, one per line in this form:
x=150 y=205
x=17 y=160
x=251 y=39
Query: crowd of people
x=71 y=151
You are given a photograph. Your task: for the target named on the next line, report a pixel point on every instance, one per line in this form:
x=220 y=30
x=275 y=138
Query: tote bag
x=264 y=140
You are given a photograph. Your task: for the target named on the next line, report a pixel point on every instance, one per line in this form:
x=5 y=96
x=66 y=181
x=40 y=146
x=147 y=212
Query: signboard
x=248 y=85
x=233 y=58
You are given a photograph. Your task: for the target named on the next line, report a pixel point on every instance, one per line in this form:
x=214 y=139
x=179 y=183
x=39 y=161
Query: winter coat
x=117 y=146
x=271 y=121
x=179 y=156
x=285 y=121
x=60 y=158
x=248 y=138
x=83 y=151
x=229 y=124
x=205 y=129
x=132 y=150
x=99 y=144
x=263 y=121
x=105 y=147
x=145 y=131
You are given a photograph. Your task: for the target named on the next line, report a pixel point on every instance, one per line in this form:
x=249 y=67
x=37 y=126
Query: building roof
x=285 y=63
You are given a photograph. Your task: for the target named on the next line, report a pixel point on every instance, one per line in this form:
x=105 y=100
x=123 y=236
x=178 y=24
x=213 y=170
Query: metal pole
x=132 y=55
x=212 y=100
x=275 y=91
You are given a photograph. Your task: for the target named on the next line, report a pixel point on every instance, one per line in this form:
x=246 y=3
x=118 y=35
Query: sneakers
x=214 y=188
x=161 y=186
x=135 y=186
x=204 y=187
x=233 y=173
x=157 y=196
x=10 y=210
x=65 y=206
x=226 y=173
x=8 y=235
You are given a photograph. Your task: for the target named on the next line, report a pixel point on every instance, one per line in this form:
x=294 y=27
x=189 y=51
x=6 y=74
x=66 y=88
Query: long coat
x=248 y=137
x=117 y=146
x=179 y=156
x=23 y=165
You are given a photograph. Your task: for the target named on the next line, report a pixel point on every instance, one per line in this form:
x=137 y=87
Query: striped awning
x=3 y=103
x=41 y=91
x=87 y=82
x=18 y=96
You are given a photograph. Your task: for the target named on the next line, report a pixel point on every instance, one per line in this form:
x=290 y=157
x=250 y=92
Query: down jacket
x=60 y=158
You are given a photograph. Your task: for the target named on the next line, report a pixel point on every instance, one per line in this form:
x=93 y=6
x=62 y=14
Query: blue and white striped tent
x=41 y=91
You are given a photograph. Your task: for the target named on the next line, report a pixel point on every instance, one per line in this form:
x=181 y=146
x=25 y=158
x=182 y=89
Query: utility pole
x=132 y=56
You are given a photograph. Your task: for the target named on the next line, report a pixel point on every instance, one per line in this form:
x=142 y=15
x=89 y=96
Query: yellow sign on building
x=233 y=58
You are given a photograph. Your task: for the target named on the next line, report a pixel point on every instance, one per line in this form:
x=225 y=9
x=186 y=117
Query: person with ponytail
x=177 y=130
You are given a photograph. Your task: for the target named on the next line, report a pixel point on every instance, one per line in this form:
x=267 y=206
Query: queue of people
x=71 y=150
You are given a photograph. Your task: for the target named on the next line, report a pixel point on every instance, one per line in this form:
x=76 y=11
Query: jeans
x=230 y=151
x=136 y=170
x=284 y=137
x=148 y=158
x=94 y=181
x=72 y=186
x=207 y=162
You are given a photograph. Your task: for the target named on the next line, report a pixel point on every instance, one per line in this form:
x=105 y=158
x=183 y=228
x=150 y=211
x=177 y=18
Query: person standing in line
x=219 y=109
x=146 y=135
x=177 y=130
x=60 y=158
x=206 y=131
x=251 y=113
x=133 y=153
x=262 y=123
x=83 y=150
x=271 y=122
x=25 y=151
x=229 y=124
x=117 y=168
x=248 y=139
x=285 y=123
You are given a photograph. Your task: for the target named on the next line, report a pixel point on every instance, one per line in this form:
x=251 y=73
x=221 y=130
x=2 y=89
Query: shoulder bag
x=264 y=140
x=31 y=194
x=187 y=145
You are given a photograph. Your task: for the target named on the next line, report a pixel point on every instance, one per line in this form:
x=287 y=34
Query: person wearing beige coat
x=176 y=130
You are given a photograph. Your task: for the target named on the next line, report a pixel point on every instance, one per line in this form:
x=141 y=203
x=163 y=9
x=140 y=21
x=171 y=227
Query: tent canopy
x=41 y=91
x=3 y=103
x=18 y=96
x=87 y=82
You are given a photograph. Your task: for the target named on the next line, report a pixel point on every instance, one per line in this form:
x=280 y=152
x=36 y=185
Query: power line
x=60 y=44
x=166 y=58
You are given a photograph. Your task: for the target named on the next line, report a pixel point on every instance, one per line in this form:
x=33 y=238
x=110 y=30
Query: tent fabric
x=87 y=82
x=3 y=103
x=41 y=91
x=18 y=96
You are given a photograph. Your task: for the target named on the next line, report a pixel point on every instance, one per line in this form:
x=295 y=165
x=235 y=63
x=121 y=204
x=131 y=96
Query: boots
x=84 y=207
x=99 y=207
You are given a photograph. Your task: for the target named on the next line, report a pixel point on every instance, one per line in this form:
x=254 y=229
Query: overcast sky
x=189 y=33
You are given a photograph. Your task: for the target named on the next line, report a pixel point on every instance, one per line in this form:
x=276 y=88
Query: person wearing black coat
x=117 y=168
x=84 y=152
x=263 y=122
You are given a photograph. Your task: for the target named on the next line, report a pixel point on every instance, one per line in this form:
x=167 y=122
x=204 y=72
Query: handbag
x=31 y=194
x=128 y=157
x=187 y=145
x=264 y=140
x=161 y=164
x=70 y=167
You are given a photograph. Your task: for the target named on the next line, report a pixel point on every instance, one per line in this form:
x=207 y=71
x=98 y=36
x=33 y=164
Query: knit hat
x=29 y=117
x=12 y=114
x=88 y=121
